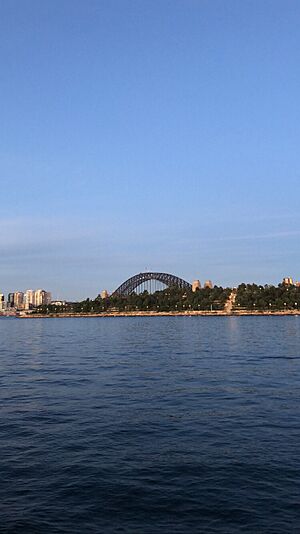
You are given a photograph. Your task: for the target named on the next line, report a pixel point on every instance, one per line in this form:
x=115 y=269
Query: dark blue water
x=150 y=425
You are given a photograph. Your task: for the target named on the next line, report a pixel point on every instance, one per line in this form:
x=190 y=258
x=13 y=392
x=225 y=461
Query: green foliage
x=248 y=297
x=262 y=298
x=170 y=299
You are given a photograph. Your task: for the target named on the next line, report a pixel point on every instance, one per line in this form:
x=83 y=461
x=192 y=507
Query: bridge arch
x=129 y=286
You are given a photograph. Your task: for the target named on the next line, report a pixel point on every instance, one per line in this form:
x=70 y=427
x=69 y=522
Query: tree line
x=268 y=297
x=248 y=297
x=169 y=299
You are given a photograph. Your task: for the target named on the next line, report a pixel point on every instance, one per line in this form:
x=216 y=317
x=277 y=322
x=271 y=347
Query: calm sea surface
x=150 y=425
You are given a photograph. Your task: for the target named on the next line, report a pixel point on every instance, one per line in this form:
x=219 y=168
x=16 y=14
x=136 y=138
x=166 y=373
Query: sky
x=138 y=134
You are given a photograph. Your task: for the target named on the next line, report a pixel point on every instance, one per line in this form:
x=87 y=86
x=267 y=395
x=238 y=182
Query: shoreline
x=192 y=313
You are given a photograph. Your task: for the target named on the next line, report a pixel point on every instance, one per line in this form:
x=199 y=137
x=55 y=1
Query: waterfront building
x=11 y=300
x=2 y=302
x=38 y=297
x=29 y=299
x=288 y=281
x=196 y=285
x=42 y=297
x=19 y=300
x=208 y=283
x=104 y=294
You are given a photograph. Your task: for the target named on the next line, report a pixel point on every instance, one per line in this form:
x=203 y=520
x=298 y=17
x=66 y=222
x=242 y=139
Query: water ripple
x=136 y=425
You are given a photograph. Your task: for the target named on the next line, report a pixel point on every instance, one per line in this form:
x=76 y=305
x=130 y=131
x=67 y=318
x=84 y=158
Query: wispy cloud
x=270 y=235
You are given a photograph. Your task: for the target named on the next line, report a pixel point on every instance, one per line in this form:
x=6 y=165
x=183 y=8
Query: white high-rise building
x=29 y=299
x=42 y=297
x=39 y=297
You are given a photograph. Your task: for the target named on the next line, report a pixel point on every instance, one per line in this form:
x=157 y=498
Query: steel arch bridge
x=128 y=287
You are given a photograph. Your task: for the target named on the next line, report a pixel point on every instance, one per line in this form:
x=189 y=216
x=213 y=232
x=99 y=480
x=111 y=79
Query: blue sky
x=143 y=134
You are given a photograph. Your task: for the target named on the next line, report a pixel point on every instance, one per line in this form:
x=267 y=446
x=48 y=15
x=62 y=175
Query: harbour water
x=150 y=425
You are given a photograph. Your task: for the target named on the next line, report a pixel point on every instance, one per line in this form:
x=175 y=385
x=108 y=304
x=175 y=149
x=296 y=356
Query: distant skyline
x=148 y=135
